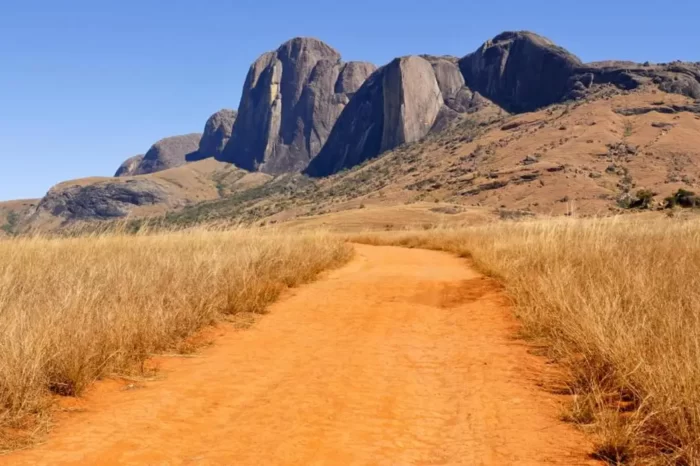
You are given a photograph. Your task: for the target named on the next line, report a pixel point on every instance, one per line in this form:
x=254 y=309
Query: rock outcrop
x=412 y=101
x=676 y=78
x=100 y=201
x=456 y=94
x=400 y=103
x=352 y=76
x=520 y=71
x=129 y=166
x=291 y=99
x=357 y=135
x=167 y=153
x=217 y=132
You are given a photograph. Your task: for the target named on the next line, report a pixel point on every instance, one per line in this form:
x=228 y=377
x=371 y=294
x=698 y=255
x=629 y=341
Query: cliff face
x=412 y=101
x=520 y=71
x=290 y=102
x=217 y=132
x=400 y=103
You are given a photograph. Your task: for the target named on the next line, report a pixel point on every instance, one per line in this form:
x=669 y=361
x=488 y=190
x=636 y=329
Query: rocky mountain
x=167 y=153
x=217 y=132
x=522 y=72
x=290 y=102
x=177 y=150
x=303 y=109
x=490 y=129
x=400 y=103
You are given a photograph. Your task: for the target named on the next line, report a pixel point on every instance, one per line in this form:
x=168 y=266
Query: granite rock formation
x=167 y=153
x=520 y=71
x=100 y=201
x=400 y=103
x=290 y=102
x=217 y=132
x=130 y=165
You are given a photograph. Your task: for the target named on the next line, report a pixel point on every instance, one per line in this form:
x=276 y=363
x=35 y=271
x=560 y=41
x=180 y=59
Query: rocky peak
x=290 y=102
x=400 y=103
x=520 y=71
x=412 y=101
x=129 y=166
x=217 y=132
x=169 y=153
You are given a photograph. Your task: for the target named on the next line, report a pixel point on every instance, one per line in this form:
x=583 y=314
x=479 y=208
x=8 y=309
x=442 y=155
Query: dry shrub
x=618 y=302
x=75 y=309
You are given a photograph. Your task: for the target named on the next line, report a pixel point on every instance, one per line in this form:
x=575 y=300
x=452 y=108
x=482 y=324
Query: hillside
x=13 y=212
x=139 y=196
x=589 y=157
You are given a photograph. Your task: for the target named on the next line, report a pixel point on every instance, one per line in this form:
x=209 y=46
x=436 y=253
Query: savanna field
x=74 y=310
x=616 y=302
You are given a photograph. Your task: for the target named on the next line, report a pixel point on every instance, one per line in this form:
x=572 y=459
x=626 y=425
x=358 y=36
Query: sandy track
x=403 y=357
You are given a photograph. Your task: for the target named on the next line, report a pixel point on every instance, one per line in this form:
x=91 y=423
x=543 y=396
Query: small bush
x=683 y=198
x=644 y=199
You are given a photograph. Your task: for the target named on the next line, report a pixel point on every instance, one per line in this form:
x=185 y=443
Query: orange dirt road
x=402 y=357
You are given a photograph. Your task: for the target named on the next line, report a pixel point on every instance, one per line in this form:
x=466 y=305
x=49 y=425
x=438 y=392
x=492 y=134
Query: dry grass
x=73 y=310
x=618 y=303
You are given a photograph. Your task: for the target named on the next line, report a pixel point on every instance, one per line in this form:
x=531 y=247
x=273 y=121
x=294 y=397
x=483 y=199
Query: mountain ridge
x=305 y=110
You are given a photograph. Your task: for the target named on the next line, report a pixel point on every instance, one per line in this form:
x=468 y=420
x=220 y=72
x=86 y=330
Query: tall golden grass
x=618 y=303
x=73 y=310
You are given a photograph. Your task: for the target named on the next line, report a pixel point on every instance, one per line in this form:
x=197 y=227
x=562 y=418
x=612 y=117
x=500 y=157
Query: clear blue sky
x=84 y=84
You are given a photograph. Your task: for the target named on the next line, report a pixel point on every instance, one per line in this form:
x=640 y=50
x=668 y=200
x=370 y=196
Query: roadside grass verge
x=73 y=310
x=617 y=301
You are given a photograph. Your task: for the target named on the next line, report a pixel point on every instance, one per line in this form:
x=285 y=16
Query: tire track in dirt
x=402 y=357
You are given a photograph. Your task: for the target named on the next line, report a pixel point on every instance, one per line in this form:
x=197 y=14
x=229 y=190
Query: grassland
x=617 y=303
x=73 y=310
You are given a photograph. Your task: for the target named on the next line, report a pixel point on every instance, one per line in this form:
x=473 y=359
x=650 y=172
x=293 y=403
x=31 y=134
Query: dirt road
x=402 y=357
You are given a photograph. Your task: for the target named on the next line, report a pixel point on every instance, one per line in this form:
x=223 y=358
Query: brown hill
x=585 y=157
x=140 y=196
